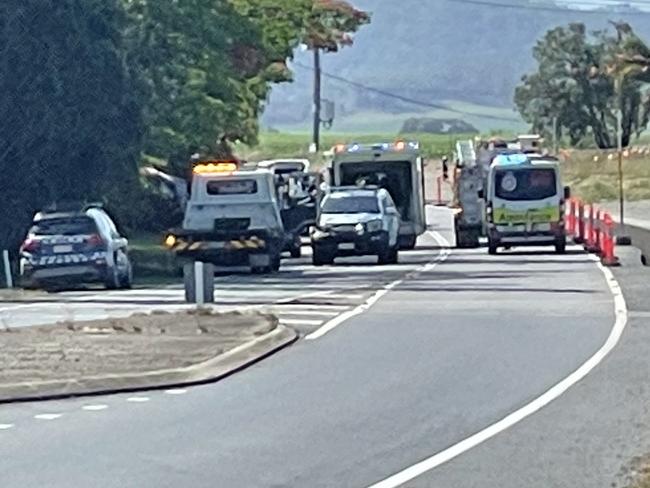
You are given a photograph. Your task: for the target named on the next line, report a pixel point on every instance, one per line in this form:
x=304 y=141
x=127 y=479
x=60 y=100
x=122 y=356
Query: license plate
x=346 y=246
x=62 y=248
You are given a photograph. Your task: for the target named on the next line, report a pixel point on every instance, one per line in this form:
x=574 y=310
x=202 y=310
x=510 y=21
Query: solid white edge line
x=620 y=310
x=335 y=322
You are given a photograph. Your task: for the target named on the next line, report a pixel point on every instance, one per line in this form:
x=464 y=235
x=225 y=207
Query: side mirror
x=481 y=194
x=567 y=192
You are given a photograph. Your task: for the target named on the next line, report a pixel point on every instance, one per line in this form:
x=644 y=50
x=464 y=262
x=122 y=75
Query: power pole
x=555 y=137
x=619 y=146
x=317 y=100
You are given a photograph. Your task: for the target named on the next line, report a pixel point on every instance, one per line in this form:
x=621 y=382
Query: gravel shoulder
x=141 y=351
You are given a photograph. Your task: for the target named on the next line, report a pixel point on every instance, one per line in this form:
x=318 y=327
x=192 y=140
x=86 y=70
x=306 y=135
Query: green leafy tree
x=69 y=115
x=575 y=85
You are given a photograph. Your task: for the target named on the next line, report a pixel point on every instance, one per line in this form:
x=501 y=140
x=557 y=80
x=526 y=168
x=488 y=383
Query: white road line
x=338 y=295
x=48 y=416
x=300 y=322
x=137 y=399
x=307 y=312
x=335 y=322
x=95 y=408
x=308 y=306
x=620 y=310
x=6 y=426
x=176 y=391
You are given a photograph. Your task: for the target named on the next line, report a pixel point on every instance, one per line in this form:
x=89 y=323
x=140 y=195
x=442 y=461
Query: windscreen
x=525 y=184
x=394 y=176
x=231 y=187
x=350 y=204
x=67 y=226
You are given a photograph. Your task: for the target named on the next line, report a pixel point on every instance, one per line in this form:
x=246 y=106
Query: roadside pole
x=316 y=100
x=7 y=266
x=621 y=239
x=198 y=283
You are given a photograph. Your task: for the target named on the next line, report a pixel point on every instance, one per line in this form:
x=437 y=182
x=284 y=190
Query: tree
x=575 y=85
x=69 y=116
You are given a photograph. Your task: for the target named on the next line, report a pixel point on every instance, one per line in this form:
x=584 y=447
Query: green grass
x=152 y=262
x=279 y=144
x=593 y=176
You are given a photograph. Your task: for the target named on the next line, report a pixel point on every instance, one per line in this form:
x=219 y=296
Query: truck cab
x=525 y=202
x=231 y=219
x=397 y=167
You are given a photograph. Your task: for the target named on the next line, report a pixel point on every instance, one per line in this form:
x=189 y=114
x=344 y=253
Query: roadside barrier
x=594 y=229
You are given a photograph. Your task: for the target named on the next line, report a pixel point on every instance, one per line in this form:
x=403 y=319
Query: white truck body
x=398 y=167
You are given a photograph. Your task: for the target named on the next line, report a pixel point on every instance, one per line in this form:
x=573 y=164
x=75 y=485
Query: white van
x=525 y=203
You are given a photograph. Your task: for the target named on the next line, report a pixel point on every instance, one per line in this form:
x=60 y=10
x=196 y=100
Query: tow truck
x=232 y=218
x=395 y=166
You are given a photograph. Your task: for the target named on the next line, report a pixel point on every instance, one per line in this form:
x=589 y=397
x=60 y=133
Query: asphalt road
x=450 y=347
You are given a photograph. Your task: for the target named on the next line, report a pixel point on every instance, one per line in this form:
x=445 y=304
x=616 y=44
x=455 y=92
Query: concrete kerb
x=212 y=370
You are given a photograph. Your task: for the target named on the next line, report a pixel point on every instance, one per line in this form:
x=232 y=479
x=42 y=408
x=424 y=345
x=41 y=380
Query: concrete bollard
x=9 y=281
x=198 y=278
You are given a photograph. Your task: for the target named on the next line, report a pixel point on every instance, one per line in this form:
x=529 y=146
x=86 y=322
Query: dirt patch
x=137 y=344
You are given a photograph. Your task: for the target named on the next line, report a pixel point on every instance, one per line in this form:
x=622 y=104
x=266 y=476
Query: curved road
x=452 y=348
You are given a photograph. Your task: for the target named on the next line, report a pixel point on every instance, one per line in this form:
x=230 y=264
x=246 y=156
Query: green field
x=278 y=145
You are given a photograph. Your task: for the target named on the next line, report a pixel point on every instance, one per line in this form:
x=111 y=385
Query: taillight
x=30 y=245
x=94 y=241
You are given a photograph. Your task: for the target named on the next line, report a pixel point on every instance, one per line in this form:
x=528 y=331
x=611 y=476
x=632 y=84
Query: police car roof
x=41 y=216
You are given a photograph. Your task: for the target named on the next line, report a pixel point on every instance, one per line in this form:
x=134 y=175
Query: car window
x=350 y=204
x=67 y=226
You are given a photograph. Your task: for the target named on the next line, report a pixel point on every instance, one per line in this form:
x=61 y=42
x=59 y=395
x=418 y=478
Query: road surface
x=452 y=344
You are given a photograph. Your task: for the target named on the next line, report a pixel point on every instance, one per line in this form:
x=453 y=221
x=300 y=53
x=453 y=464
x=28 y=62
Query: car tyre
x=388 y=256
x=126 y=281
x=296 y=251
x=321 y=258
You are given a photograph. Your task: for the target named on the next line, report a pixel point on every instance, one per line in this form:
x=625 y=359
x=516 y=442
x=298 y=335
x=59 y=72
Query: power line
x=598 y=8
x=402 y=98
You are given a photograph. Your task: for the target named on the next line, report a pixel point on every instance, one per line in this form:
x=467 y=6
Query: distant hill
x=437 y=51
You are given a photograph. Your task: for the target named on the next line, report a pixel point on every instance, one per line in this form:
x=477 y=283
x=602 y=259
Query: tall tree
x=69 y=116
x=575 y=85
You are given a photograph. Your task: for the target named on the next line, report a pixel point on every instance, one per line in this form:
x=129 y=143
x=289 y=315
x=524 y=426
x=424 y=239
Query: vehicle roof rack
x=70 y=206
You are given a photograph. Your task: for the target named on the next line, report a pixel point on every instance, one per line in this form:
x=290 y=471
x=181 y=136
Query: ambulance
x=524 y=202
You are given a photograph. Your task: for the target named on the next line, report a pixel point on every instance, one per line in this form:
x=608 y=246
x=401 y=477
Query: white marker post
x=8 y=278
x=199 y=291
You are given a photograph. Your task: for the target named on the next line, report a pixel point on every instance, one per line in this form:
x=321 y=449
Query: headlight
x=359 y=228
x=374 y=226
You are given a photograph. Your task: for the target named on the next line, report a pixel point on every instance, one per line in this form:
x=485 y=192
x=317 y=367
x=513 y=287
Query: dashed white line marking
x=6 y=426
x=323 y=313
x=176 y=391
x=300 y=322
x=306 y=306
x=48 y=416
x=137 y=399
x=95 y=408
x=335 y=322
x=620 y=310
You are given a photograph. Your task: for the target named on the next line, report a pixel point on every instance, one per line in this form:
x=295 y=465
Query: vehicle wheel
x=296 y=251
x=126 y=280
x=320 y=258
x=408 y=242
x=560 y=247
x=112 y=278
x=388 y=256
x=275 y=263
